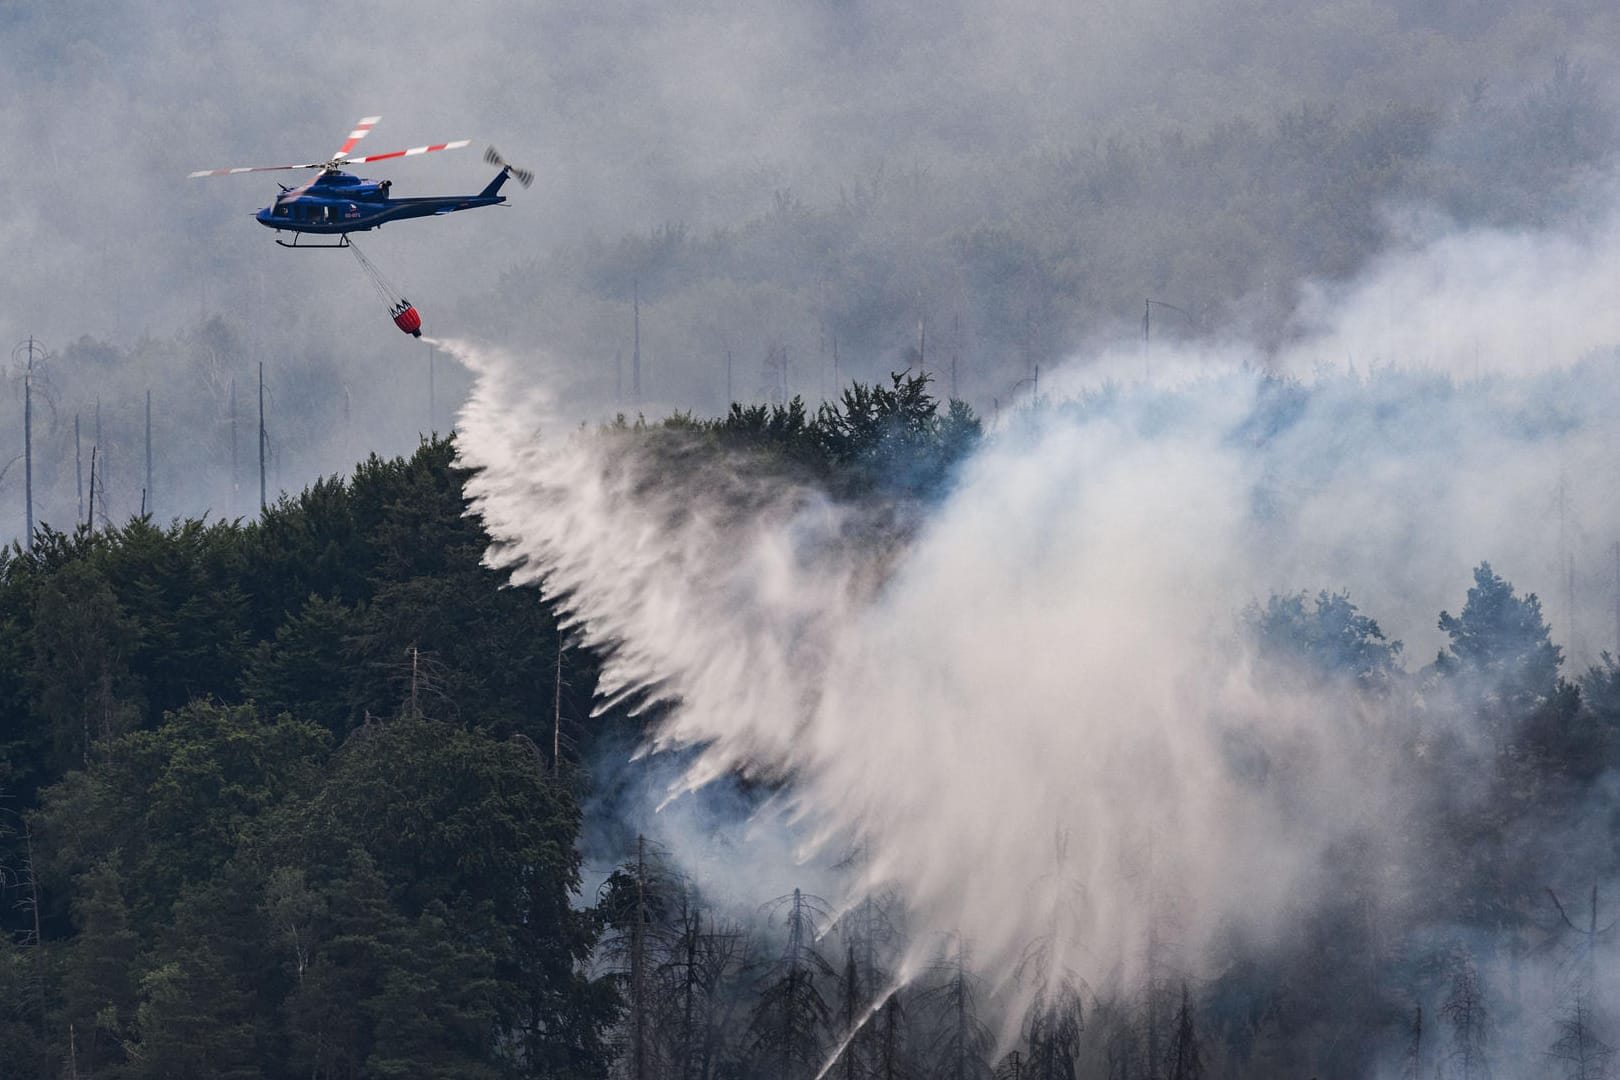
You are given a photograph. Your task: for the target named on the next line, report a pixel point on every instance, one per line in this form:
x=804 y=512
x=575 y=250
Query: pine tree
x=1464 y=1010
x=1185 y=1060
x=961 y=1042
x=1582 y=1054
x=791 y=1016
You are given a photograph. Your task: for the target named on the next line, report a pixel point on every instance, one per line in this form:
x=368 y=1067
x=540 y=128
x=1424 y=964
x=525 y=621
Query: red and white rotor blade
x=251 y=168
x=365 y=125
x=412 y=152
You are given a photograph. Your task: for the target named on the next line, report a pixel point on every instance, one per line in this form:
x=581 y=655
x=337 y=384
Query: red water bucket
x=408 y=320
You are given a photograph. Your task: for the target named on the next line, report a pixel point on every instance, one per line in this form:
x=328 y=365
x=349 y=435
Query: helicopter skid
x=343 y=242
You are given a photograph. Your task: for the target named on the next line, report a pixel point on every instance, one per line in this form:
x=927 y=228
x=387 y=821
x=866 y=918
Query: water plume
x=1054 y=649
x=860 y=1022
x=795 y=650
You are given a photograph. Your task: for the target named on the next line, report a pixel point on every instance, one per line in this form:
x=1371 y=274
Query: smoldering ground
x=1040 y=714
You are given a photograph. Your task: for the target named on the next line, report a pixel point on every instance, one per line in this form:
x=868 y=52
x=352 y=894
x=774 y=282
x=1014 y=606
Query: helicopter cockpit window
x=280 y=212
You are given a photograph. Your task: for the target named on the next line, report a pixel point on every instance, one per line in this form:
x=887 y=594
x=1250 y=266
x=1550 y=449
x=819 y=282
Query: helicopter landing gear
x=343 y=242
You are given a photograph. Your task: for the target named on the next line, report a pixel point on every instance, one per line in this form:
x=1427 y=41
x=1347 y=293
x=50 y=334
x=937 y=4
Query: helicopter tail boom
x=493 y=188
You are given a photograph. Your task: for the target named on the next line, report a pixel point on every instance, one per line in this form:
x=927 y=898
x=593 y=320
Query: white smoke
x=1023 y=709
x=1474 y=302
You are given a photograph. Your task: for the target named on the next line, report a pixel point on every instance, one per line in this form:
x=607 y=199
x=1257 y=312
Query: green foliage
x=226 y=894
x=422 y=897
x=307 y=666
x=167 y=808
x=99 y=997
x=80 y=671
x=1332 y=639
x=1501 y=645
x=893 y=439
x=784 y=429
x=193 y=1020
x=280 y=786
x=183 y=587
x=22 y=1026
x=888 y=441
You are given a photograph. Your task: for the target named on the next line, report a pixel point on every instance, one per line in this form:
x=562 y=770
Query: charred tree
x=1412 y=1063
x=1055 y=1015
x=891 y=1042
x=1185 y=1060
x=1582 y=1055
x=854 y=1004
x=1464 y=1010
x=961 y=1042
x=637 y=902
x=1012 y=1067
x=1052 y=1032
x=792 y=1016
x=638 y=967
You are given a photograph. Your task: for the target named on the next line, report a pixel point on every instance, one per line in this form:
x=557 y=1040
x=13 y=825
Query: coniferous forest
x=1035 y=541
x=303 y=796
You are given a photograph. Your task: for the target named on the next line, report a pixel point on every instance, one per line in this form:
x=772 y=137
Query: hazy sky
x=632 y=116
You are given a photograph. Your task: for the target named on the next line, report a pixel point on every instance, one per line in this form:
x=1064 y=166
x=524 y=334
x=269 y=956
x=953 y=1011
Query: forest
x=302 y=795
x=937 y=542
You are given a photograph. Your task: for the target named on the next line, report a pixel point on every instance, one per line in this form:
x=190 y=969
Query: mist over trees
x=1229 y=219
x=962 y=195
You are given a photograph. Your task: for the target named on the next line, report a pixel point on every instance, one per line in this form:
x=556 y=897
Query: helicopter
x=337 y=203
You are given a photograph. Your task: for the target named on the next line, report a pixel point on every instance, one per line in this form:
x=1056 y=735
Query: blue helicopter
x=336 y=203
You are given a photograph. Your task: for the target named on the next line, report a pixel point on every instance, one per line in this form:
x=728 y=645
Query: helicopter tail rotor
x=523 y=176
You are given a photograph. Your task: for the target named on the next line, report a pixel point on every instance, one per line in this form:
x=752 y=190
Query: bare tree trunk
x=693 y=924
x=1413 y=1069
x=638 y=968
x=851 y=992
x=39 y=938
x=961 y=1012
x=28 y=444
x=890 y=1063
x=556 y=712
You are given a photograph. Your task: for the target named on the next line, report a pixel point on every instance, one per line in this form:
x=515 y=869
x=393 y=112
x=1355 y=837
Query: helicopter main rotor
x=341 y=159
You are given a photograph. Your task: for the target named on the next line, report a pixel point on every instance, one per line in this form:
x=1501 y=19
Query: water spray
x=871 y=1011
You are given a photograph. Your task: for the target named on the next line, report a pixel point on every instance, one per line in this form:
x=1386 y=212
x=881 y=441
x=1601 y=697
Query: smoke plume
x=1033 y=712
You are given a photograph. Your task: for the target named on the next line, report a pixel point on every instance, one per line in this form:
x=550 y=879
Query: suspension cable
x=389 y=295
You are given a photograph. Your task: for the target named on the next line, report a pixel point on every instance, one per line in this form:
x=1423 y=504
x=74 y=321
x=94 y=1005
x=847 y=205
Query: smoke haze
x=1384 y=234
x=800 y=183
x=1034 y=714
